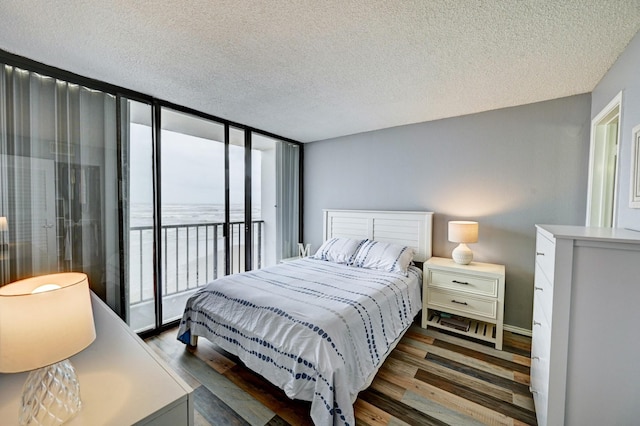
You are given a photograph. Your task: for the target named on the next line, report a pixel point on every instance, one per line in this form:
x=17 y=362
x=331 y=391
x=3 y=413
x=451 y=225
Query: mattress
x=316 y=329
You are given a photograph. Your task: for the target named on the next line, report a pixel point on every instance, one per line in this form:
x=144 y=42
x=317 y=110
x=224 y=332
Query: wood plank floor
x=430 y=378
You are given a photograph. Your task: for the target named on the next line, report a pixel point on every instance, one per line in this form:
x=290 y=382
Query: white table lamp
x=43 y=321
x=463 y=232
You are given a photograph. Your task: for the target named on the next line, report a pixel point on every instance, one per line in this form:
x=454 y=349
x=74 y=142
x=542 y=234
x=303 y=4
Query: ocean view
x=182 y=214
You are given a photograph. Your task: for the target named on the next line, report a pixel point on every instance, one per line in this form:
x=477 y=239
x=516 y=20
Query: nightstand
x=454 y=296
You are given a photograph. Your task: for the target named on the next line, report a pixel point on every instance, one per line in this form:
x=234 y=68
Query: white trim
x=634 y=187
x=412 y=229
x=616 y=102
x=517 y=330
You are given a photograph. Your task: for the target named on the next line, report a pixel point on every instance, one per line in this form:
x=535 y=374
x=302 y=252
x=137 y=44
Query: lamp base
x=462 y=254
x=51 y=395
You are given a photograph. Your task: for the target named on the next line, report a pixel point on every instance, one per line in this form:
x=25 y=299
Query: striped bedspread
x=316 y=329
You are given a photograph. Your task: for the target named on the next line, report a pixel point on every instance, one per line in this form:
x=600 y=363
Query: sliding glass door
x=139 y=213
x=237 y=186
x=275 y=199
x=208 y=176
x=181 y=218
x=192 y=177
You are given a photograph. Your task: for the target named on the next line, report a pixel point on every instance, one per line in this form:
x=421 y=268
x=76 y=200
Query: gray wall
x=623 y=76
x=508 y=169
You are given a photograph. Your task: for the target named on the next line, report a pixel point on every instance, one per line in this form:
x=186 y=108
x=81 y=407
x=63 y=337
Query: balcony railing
x=192 y=256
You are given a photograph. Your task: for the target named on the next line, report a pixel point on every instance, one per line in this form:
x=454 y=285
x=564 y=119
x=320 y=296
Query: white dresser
x=585 y=352
x=474 y=291
x=122 y=381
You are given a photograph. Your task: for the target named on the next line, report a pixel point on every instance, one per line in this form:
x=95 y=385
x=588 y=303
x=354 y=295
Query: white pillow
x=338 y=250
x=384 y=256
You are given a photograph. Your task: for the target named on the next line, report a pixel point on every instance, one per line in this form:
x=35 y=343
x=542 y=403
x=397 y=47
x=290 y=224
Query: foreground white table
x=122 y=382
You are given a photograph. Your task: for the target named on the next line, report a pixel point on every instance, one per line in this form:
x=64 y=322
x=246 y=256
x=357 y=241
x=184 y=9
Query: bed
x=320 y=327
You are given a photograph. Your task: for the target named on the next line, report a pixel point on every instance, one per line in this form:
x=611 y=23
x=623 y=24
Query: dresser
x=585 y=350
x=122 y=381
x=471 y=295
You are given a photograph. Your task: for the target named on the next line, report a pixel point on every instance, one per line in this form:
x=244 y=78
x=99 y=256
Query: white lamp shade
x=39 y=329
x=463 y=231
x=4 y=226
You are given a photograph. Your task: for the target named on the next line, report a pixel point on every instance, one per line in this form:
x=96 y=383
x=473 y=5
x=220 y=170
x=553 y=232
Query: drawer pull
x=539 y=253
x=460 y=282
x=537 y=323
x=538 y=288
x=459 y=303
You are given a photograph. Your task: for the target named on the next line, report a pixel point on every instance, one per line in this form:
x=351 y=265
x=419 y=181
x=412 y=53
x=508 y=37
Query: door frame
x=602 y=118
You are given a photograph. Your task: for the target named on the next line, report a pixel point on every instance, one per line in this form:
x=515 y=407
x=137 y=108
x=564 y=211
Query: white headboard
x=412 y=229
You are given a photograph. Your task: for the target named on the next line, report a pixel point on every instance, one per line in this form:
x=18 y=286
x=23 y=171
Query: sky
x=192 y=169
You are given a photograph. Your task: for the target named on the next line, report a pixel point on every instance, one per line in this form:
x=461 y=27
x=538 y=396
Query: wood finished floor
x=430 y=378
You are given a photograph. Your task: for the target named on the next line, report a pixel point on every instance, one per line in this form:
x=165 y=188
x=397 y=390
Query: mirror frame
x=634 y=186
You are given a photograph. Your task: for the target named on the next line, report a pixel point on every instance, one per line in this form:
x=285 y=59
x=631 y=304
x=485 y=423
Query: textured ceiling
x=312 y=70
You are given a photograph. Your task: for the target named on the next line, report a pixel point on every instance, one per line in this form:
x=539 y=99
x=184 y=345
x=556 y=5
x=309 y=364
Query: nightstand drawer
x=454 y=301
x=463 y=282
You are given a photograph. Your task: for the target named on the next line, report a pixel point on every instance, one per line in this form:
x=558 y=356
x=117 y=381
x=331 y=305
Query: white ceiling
x=311 y=70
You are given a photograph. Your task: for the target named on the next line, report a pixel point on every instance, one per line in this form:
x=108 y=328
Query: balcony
x=192 y=256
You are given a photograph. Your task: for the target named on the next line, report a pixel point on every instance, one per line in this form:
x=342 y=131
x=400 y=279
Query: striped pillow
x=384 y=256
x=338 y=250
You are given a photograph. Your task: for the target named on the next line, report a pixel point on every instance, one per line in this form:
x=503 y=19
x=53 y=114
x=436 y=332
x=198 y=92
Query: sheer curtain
x=288 y=198
x=58 y=180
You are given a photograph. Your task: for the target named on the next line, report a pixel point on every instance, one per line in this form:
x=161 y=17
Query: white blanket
x=316 y=329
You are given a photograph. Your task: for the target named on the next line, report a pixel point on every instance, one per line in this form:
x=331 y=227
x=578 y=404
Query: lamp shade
x=4 y=226
x=44 y=320
x=463 y=231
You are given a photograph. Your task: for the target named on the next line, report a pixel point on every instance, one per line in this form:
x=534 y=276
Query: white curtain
x=58 y=179
x=288 y=198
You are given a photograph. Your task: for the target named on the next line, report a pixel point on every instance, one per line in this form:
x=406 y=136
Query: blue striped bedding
x=316 y=329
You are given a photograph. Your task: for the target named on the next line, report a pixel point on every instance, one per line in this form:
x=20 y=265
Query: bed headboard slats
x=413 y=229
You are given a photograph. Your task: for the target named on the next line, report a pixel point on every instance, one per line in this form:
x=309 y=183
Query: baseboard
x=517 y=330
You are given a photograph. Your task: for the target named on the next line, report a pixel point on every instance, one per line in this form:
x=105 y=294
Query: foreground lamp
x=43 y=321
x=463 y=232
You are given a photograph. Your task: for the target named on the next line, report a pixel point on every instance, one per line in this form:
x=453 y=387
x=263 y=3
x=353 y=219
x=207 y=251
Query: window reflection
x=58 y=163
